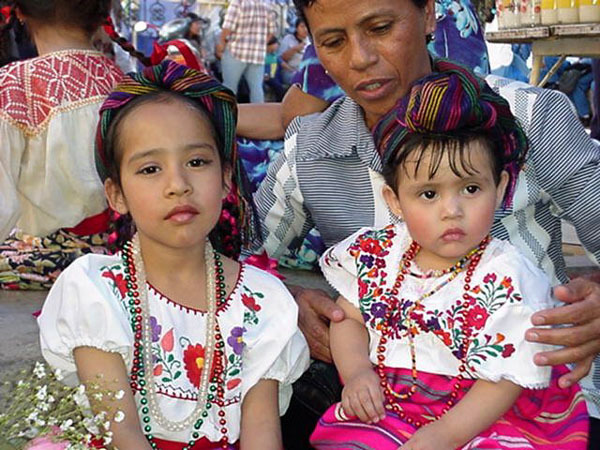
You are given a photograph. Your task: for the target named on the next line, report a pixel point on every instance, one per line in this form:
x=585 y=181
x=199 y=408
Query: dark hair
x=85 y=14
x=455 y=147
x=301 y=6
x=112 y=144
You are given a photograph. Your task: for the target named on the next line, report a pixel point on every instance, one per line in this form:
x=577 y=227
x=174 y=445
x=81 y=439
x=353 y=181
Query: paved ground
x=19 y=346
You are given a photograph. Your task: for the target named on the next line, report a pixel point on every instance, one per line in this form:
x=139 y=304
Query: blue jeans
x=233 y=70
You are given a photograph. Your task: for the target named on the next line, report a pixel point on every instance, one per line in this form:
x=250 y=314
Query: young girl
x=432 y=350
x=199 y=344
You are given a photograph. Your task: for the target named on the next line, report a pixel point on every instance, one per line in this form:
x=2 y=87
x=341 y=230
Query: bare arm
x=362 y=395
x=260 y=121
x=220 y=47
x=483 y=405
x=92 y=363
x=290 y=52
x=298 y=103
x=260 y=418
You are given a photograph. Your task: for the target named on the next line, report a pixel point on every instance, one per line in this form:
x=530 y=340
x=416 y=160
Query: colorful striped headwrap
x=220 y=105
x=446 y=102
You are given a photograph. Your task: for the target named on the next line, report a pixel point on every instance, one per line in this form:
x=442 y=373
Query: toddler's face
x=172 y=182
x=448 y=215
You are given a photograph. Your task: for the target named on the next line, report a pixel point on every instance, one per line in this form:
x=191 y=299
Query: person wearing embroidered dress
x=204 y=348
x=432 y=351
x=48 y=111
x=329 y=175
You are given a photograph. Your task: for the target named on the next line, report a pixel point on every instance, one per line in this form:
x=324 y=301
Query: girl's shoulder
x=259 y=281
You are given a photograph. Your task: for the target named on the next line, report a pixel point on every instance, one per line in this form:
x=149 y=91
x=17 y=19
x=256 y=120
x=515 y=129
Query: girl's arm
x=108 y=369
x=483 y=405
x=261 y=429
x=362 y=395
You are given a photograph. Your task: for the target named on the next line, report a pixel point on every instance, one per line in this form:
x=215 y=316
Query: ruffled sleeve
x=82 y=310
x=510 y=290
x=274 y=347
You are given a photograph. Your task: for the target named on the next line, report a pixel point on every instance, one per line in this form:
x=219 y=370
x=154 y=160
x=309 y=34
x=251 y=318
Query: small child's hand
x=362 y=397
x=431 y=437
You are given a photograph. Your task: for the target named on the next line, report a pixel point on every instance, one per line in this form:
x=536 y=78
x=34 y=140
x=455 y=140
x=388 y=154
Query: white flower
x=43 y=406
x=20 y=383
x=40 y=422
x=98 y=396
x=120 y=394
x=119 y=416
x=107 y=439
x=106 y=425
x=42 y=393
x=80 y=398
x=32 y=416
x=66 y=425
x=91 y=426
x=50 y=399
x=58 y=374
x=39 y=371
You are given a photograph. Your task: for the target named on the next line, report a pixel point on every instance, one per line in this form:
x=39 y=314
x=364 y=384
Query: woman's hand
x=315 y=310
x=362 y=397
x=431 y=437
x=581 y=339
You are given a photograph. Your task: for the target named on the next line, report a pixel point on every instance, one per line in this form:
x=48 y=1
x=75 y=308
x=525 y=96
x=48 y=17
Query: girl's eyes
x=428 y=195
x=198 y=162
x=148 y=170
x=194 y=163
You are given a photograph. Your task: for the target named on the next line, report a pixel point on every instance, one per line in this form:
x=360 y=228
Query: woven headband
x=451 y=100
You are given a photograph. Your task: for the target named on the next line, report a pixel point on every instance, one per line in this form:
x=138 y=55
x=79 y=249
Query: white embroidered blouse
x=87 y=307
x=505 y=290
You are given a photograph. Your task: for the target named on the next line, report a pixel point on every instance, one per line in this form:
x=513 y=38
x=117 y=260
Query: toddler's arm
x=260 y=418
x=91 y=365
x=483 y=405
x=362 y=395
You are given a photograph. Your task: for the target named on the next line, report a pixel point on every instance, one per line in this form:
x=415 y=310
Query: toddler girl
x=204 y=349
x=432 y=350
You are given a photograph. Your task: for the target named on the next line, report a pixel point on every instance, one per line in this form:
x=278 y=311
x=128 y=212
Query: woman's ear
x=115 y=196
x=392 y=201
x=430 y=22
x=501 y=188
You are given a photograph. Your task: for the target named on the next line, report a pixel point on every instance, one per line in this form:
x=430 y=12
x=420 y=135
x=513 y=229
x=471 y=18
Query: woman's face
x=373 y=49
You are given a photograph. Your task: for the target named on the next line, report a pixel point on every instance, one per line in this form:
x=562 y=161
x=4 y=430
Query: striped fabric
x=329 y=176
x=543 y=419
x=250 y=21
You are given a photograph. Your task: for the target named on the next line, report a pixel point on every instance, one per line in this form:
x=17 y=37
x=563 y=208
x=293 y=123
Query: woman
x=291 y=50
x=48 y=111
x=329 y=175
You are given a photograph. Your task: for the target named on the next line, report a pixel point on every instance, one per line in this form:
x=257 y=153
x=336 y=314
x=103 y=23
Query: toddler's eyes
x=428 y=195
x=471 y=189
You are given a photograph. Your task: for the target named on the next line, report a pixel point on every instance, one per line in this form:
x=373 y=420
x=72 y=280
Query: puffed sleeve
x=274 y=349
x=12 y=145
x=340 y=265
x=510 y=289
x=82 y=310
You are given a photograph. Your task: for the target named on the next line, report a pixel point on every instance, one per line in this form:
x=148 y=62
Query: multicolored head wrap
x=238 y=222
x=450 y=101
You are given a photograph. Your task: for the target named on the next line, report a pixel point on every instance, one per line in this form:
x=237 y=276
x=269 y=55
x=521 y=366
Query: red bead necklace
x=471 y=260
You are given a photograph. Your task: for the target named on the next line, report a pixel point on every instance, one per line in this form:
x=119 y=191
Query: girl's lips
x=454 y=234
x=182 y=214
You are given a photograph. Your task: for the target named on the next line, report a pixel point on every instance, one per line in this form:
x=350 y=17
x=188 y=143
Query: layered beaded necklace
x=142 y=373
x=470 y=260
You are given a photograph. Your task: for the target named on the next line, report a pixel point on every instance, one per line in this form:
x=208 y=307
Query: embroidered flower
x=509 y=349
x=250 y=302
x=167 y=341
x=236 y=340
x=158 y=370
x=371 y=246
x=433 y=324
x=476 y=317
x=155 y=328
x=506 y=282
x=363 y=288
x=490 y=277
x=444 y=336
x=193 y=359
x=380 y=263
x=119 y=281
x=367 y=260
x=378 y=309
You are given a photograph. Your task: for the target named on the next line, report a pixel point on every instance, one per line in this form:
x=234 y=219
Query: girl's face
x=172 y=182
x=373 y=49
x=448 y=215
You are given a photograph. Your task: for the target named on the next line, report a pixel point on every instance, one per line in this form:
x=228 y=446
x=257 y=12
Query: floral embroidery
x=119 y=284
x=163 y=357
x=252 y=307
x=193 y=358
x=236 y=341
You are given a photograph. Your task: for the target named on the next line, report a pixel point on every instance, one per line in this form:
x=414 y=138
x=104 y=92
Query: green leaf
x=491 y=353
x=231 y=358
x=170 y=358
x=177 y=375
x=234 y=372
x=165 y=379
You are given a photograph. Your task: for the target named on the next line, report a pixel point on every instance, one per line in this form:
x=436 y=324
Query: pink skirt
x=549 y=419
